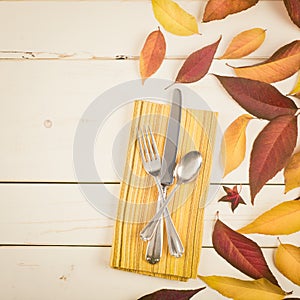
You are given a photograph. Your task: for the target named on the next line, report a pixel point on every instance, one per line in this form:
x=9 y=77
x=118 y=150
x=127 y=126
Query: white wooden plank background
x=62 y=215
x=60 y=91
x=108 y=28
x=82 y=273
x=56 y=57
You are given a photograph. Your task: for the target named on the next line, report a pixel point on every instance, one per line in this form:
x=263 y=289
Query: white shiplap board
x=109 y=28
x=60 y=91
x=59 y=214
x=79 y=273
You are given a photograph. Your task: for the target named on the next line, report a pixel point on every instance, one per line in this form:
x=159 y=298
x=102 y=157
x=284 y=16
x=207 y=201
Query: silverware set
x=164 y=171
x=152 y=165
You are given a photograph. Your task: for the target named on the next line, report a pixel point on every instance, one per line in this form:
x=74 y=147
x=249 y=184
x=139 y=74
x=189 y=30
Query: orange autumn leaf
x=234 y=143
x=292 y=173
x=287 y=261
x=244 y=43
x=152 y=54
x=282 y=64
x=219 y=9
x=283 y=218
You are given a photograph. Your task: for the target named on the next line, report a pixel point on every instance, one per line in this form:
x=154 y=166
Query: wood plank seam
x=37 y=55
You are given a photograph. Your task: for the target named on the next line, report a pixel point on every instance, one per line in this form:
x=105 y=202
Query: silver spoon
x=186 y=171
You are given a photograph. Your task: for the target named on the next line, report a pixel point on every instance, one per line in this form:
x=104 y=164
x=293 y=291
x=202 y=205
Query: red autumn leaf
x=233 y=197
x=281 y=65
x=167 y=294
x=293 y=8
x=152 y=54
x=259 y=98
x=219 y=9
x=241 y=252
x=271 y=151
x=197 y=64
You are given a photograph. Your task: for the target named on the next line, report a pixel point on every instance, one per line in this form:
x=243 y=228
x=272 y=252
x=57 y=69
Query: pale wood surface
x=56 y=57
x=37 y=91
x=83 y=273
x=110 y=28
x=58 y=214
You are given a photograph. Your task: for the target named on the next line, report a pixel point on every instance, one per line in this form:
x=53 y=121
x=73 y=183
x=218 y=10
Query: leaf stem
x=170 y=85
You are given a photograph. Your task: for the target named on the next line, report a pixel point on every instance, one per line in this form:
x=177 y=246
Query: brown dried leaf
x=293 y=8
x=271 y=151
x=152 y=54
x=258 y=98
x=219 y=9
x=282 y=64
x=244 y=43
x=241 y=252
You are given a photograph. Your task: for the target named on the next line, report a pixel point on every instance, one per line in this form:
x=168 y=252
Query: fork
x=152 y=165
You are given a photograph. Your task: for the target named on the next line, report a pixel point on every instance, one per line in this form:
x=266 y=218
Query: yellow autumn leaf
x=173 y=18
x=296 y=90
x=244 y=43
x=292 y=173
x=283 y=218
x=238 y=289
x=287 y=261
x=234 y=143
